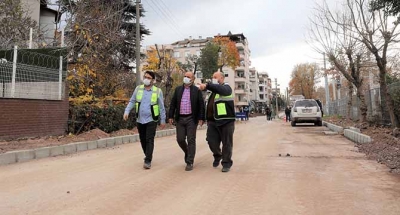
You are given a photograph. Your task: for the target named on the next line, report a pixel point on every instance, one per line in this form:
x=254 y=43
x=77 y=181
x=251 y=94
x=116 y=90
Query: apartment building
x=45 y=17
x=264 y=86
x=243 y=80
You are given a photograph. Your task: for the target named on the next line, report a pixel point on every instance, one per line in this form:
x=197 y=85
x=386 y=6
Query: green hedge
x=108 y=119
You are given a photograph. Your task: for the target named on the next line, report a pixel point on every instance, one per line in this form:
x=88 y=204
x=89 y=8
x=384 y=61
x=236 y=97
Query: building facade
x=245 y=81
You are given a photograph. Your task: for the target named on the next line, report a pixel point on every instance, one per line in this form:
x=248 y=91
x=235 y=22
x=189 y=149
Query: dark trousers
x=288 y=117
x=216 y=135
x=147 y=132
x=186 y=128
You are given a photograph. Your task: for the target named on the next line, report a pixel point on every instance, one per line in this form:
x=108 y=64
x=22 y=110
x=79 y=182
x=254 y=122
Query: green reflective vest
x=224 y=107
x=155 y=109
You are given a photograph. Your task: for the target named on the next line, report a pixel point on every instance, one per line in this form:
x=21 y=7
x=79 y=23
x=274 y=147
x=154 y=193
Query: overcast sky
x=276 y=29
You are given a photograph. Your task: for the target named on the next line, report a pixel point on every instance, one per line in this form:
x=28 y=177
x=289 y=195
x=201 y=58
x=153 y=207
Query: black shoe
x=147 y=165
x=189 y=167
x=226 y=169
x=216 y=163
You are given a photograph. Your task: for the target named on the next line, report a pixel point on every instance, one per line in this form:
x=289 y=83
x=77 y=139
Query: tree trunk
x=350 y=101
x=385 y=96
x=363 y=106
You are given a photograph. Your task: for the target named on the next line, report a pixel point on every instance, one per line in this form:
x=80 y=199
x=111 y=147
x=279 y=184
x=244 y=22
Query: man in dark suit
x=187 y=109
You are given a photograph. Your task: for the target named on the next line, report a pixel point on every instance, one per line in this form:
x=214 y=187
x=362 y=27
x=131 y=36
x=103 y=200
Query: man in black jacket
x=220 y=116
x=187 y=109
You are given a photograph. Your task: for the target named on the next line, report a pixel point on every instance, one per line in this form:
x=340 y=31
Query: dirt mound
x=124 y=132
x=385 y=148
x=94 y=134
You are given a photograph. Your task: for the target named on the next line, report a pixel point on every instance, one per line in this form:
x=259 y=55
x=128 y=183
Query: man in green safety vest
x=220 y=116
x=149 y=106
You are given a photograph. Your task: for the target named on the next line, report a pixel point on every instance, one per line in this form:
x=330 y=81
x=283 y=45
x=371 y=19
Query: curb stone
x=8 y=158
x=41 y=153
x=102 y=143
x=110 y=142
x=25 y=155
x=71 y=148
x=352 y=133
x=92 y=145
x=81 y=146
x=333 y=127
x=357 y=137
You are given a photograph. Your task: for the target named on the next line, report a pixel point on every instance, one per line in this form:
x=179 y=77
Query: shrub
x=107 y=118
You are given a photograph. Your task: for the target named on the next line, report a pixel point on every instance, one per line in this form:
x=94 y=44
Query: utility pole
x=276 y=96
x=326 y=88
x=287 y=97
x=138 y=43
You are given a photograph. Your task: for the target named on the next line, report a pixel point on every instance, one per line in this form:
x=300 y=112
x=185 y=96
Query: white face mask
x=186 y=80
x=146 y=82
x=215 y=81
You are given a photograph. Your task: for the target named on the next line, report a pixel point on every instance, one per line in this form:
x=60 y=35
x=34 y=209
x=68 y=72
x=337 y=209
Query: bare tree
x=333 y=33
x=15 y=24
x=378 y=31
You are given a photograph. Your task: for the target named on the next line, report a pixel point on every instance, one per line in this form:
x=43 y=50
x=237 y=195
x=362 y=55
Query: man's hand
x=162 y=126
x=201 y=123
x=202 y=86
x=125 y=116
x=170 y=121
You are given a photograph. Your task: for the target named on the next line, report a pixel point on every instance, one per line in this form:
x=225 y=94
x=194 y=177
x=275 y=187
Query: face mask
x=146 y=82
x=186 y=80
x=215 y=81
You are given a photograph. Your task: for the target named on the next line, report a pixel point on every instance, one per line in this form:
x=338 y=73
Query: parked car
x=306 y=111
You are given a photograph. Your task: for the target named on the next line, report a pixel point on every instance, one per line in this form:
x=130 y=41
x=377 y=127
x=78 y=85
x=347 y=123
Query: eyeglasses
x=187 y=76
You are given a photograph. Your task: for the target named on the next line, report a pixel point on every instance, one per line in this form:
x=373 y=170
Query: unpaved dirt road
x=324 y=175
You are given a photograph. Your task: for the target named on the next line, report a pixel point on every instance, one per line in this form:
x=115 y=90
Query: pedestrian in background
x=268 y=111
x=246 y=112
x=187 y=109
x=149 y=107
x=320 y=107
x=220 y=116
x=287 y=113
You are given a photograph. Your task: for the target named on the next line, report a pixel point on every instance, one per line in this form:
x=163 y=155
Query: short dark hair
x=151 y=73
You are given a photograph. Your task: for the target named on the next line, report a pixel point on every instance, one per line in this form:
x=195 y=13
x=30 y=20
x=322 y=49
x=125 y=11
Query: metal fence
x=28 y=74
x=377 y=108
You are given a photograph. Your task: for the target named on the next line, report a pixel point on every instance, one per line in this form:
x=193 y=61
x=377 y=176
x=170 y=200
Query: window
x=187 y=53
x=306 y=103
x=226 y=74
x=198 y=53
x=176 y=54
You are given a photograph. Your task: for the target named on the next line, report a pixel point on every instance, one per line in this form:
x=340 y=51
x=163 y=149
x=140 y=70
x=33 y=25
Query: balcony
x=239 y=91
x=240 y=46
x=240 y=68
x=241 y=103
x=242 y=57
x=240 y=79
